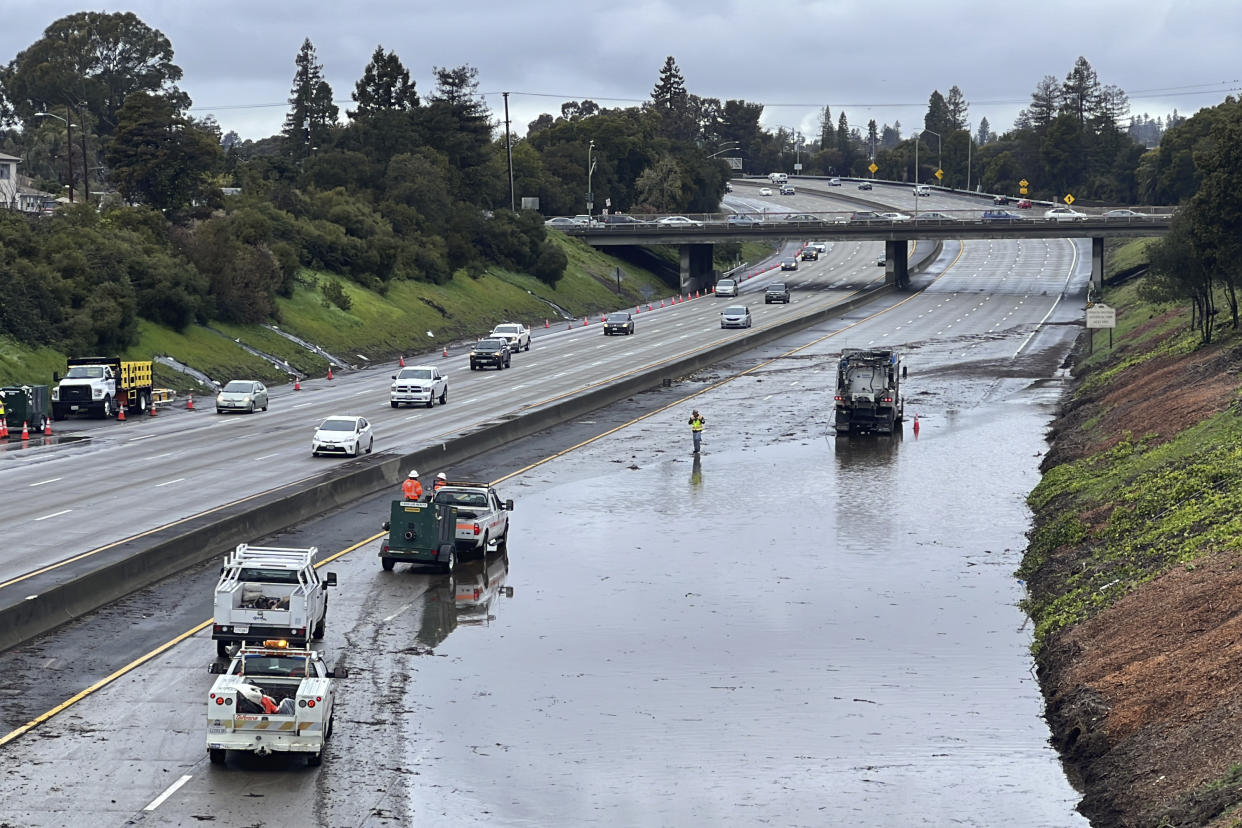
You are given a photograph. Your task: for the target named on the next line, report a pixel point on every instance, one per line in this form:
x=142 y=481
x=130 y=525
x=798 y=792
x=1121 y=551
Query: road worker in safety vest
x=441 y=482
x=411 y=489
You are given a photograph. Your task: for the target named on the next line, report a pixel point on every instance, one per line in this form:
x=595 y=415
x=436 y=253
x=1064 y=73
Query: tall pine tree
x=385 y=85
x=312 y=111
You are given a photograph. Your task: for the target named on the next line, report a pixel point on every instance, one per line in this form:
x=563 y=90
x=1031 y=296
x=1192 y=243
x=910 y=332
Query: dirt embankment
x=1143 y=696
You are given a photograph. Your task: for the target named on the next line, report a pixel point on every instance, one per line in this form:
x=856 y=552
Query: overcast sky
x=870 y=60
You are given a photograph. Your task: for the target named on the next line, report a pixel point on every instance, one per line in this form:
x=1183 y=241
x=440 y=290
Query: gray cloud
x=870 y=60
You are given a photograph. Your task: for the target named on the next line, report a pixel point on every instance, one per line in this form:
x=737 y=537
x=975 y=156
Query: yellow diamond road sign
x=873 y=168
x=939 y=174
x=1024 y=183
x=1022 y=190
x=1069 y=199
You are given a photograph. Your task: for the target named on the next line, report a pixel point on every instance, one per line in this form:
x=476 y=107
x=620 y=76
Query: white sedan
x=1064 y=214
x=343 y=435
x=765 y=191
x=679 y=221
x=895 y=216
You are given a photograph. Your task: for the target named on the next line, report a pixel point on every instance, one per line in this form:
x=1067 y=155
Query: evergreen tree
x=984 y=133
x=670 y=90
x=1080 y=94
x=873 y=138
x=827 y=135
x=1045 y=103
x=312 y=111
x=937 y=119
x=957 y=107
x=385 y=85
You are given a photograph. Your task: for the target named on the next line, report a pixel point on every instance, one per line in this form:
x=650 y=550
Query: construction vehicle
x=270 y=593
x=25 y=407
x=868 y=397
x=102 y=386
x=271 y=699
x=461 y=517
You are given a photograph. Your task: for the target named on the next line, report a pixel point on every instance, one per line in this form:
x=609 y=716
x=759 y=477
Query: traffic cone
x=120 y=415
x=638 y=309
x=661 y=303
x=152 y=413
x=444 y=353
x=916 y=425
x=698 y=294
x=4 y=428
x=545 y=323
x=401 y=362
x=47 y=424
x=189 y=403
x=25 y=431
x=586 y=320
x=329 y=372
x=297 y=384
x=648 y=306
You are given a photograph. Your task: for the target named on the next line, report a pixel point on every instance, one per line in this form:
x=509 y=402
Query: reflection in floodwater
x=464 y=597
x=696 y=472
x=867 y=468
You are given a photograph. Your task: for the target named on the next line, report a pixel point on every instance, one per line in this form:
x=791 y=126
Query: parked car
x=1000 y=215
x=343 y=435
x=1023 y=204
x=788 y=189
x=1064 y=214
x=776 y=292
x=679 y=221
x=492 y=353
x=765 y=191
x=735 y=316
x=242 y=395
x=866 y=185
x=418 y=385
x=789 y=263
x=619 y=322
x=810 y=254
x=726 y=287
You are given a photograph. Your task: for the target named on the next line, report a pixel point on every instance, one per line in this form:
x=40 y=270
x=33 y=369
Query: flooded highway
x=789 y=629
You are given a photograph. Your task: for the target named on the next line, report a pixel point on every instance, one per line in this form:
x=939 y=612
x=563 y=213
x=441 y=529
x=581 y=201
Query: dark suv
x=618 y=322
x=776 y=292
x=490 y=352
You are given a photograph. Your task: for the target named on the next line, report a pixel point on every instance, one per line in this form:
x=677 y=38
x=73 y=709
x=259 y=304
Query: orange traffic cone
x=189 y=403
x=648 y=306
x=120 y=413
x=638 y=309
x=329 y=372
x=25 y=431
x=444 y=353
x=661 y=303
x=916 y=425
x=297 y=384
x=4 y=429
x=152 y=413
x=545 y=323
x=401 y=362
x=47 y=424
x=698 y=294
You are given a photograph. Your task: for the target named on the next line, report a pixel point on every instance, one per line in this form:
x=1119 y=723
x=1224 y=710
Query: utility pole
x=509 y=153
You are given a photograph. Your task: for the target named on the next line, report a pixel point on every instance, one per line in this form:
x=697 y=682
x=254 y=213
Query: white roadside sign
x=1101 y=316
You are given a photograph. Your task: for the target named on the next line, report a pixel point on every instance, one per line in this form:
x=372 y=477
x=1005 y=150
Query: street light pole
x=68 y=144
x=509 y=153
x=970 y=145
x=590 y=196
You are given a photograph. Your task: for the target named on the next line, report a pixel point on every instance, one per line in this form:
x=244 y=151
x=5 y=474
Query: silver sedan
x=242 y=395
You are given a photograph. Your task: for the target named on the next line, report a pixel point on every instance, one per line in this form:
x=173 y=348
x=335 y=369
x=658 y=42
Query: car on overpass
x=866 y=185
x=743 y=218
x=866 y=216
x=735 y=316
x=621 y=220
x=1001 y=215
x=1127 y=215
x=895 y=216
x=802 y=217
x=563 y=221
x=765 y=191
x=834 y=182
x=935 y=217
x=1064 y=214
x=678 y=221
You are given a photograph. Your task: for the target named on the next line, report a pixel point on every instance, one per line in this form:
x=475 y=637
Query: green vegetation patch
x=1138 y=509
x=23 y=365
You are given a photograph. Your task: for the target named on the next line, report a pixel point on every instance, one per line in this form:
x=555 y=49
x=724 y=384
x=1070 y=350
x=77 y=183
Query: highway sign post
x=1022 y=185
x=1101 y=316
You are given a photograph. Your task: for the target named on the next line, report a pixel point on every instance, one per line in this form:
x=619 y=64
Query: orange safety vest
x=438 y=484
x=412 y=489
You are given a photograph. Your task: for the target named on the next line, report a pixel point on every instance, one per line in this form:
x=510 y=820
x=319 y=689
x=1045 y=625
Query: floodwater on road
x=791 y=629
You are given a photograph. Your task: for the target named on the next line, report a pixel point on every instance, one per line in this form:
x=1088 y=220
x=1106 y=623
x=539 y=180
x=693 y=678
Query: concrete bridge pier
x=696 y=267
x=897 y=263
x=1097 y=264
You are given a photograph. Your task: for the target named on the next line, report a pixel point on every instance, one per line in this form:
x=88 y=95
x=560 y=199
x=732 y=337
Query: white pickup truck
x=515 y=333
x=271 y=699
x=482 y=517
x=270 y=593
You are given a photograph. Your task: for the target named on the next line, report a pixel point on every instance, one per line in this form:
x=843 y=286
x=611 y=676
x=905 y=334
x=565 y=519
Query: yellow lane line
x=143 y=659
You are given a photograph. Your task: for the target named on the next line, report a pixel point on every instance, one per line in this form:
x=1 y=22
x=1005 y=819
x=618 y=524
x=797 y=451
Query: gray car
x=242 y=395
x=735 y=316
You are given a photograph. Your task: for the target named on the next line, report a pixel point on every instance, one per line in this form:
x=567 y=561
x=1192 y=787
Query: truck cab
x=270 y=593
x=101 y=386
x=272 y=698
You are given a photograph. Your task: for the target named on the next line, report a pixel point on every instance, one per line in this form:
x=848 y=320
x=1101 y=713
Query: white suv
x=418 y=385
x=726 y=287
x=515 y=333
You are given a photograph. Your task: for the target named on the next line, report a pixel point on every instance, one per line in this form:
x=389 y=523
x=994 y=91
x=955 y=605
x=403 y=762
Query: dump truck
x=102 y=386
x=868 y=397
x=26 y=406
x=269 y=592
x=271 y=698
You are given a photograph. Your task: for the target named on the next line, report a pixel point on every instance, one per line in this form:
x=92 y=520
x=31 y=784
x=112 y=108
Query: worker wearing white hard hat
x=411 y=489
x=441 y=480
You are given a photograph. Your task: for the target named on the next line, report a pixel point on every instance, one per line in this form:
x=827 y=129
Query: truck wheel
x=527 y=345
x=431 y=400
x=108 y=410
x=444 y=396
x=222 y=649
x=327 y=734
x=317 y=633
x=395 y=405
x=387 y=563
x=502 y=543
x=216 y=755
x=314 y=760
x=451 y=563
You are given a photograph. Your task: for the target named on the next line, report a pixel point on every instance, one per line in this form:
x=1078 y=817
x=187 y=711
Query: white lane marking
x=158 y=456
x=264 y=457
x=301 y=405
x=50 y=480
x=398 y=612
x=465 y=402
x=169 y=482
x=169 y=791
x=143 y=437
x=55 y=514
x=360 y=393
